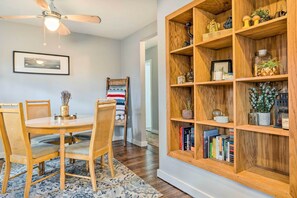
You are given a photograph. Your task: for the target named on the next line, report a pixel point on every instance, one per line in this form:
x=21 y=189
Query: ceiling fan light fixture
x=51 y=23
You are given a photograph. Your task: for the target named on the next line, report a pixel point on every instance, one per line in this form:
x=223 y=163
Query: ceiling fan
x=52 y=18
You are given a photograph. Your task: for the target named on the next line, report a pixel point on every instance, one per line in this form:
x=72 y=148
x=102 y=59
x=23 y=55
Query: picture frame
x=40 y=63
x=219 y=68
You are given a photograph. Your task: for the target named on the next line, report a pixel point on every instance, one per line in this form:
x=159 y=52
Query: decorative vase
x=64 y=110
x=253 y=117
x=264 y=119
x=187 y=114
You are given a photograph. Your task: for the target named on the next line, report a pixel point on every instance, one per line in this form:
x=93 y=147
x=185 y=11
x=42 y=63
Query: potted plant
x=187 y=113
x=263 y=14
x=268 y=68
x=262 y=100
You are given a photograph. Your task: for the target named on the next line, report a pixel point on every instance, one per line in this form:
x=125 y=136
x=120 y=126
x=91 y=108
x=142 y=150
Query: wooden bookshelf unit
x=265 y=158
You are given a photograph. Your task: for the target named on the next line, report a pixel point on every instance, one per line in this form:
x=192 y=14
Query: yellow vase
x=64 y=110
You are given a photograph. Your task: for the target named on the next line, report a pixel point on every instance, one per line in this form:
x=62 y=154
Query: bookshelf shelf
x=221 y=82
x=229 y=125
x=187 y=51
x=215 y=7
x=264 y=30
x=184 y=17
x=265 y=158
x=264 y=180
x=283 y=77
x=264 y=129
x=183 y=85
x=183 y=120
x=183 y=155
x=217 y=43
x=218 y=162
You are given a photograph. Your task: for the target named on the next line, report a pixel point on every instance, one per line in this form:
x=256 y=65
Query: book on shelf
x=186 y=138
x=206 y=140
x=220 y=147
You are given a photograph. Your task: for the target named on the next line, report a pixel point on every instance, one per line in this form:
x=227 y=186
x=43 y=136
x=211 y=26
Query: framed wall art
x=219 y=68
x=39 y=63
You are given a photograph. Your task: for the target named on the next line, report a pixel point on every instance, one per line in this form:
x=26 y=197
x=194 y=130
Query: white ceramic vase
x=264 y=119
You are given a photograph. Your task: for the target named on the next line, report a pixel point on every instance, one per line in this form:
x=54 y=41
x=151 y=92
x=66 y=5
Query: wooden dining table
x=48 y=126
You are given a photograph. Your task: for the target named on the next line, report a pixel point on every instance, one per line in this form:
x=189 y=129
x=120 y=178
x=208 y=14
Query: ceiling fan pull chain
x=44 y=36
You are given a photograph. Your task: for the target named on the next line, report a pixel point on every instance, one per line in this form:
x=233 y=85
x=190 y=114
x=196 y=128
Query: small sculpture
x=256 y=19
x=246 y=21
x=190 y=76
x=188 y=28
x=213 y=26
x=228 y=23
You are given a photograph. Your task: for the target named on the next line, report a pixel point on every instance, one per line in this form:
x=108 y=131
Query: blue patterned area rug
x=124 y=184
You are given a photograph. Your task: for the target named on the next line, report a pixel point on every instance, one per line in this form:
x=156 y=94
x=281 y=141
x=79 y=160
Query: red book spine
x=180 y=138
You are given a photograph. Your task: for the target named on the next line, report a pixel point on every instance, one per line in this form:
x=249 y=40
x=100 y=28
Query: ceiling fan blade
x=82 y=18
x=20 y=17
x=43 y=4
x=63 y=30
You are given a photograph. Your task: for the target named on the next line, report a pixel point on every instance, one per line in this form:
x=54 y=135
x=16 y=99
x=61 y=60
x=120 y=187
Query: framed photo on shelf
x=39 y=63
x=220 y=68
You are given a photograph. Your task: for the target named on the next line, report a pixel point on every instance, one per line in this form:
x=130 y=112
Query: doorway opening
x=151 y=91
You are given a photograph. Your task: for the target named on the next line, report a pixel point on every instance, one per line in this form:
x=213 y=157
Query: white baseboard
x=132 y=141
x=116 y=138
x=194 y=192
x=138 y=143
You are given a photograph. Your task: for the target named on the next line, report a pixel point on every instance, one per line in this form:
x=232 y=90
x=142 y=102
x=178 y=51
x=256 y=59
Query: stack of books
x=186 y=137
x=216 y=146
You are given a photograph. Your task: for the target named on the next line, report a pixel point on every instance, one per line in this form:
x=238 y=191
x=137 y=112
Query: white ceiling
x=120 y=18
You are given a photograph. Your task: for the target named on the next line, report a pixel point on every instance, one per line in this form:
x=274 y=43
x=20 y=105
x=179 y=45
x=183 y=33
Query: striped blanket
x=118 y=93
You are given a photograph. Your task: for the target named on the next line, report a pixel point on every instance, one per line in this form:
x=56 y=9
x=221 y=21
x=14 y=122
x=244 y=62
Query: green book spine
x=210 y=150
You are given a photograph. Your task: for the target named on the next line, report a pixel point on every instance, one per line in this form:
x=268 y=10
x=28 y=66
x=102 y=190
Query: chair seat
x=84 y=136
x=50 y=139
x=81 y=148
x=42 y=149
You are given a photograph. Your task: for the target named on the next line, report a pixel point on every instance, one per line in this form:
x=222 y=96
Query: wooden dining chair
x=100 y=143
x=17 y=146
x=40 y=109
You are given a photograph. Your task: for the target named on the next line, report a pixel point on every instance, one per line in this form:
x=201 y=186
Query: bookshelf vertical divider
x=265 y=157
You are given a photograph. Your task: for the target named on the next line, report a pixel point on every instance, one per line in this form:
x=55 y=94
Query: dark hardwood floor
x=144 y=162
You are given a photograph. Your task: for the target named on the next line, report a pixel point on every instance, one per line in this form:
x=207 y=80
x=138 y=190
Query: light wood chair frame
x=94 y=154
x=10 y=157
x=121 y=82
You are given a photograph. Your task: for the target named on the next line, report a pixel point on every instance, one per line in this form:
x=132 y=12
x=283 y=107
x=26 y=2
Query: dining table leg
x=62 y=160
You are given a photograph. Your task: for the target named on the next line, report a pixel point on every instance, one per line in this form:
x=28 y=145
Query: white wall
x=92 y=59
x=152 y=53
x=195 y=181
x=130 y=61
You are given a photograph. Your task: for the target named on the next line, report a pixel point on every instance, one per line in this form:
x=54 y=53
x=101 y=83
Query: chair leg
x=110 y=162
x=102 y=161
x=92 y=173
x=87 y=166
x=41 y=168
x=28 y=180
x=125 y=134
x=6 y=176
x=71 y=161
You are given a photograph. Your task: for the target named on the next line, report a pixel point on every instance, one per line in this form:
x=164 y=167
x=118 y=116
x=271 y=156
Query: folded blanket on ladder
x=120 y=96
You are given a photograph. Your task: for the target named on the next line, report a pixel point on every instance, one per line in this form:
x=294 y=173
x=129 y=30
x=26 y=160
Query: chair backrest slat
x=103 y=125
x=13 y=131
x=38 y=109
